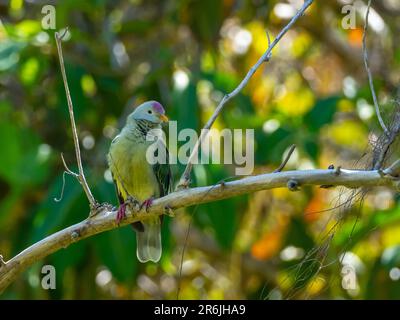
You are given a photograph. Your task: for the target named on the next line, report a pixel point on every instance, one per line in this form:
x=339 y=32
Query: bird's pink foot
x=121 y=214
x=147 y=203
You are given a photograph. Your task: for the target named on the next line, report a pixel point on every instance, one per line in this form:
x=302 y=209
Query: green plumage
x=134 y=176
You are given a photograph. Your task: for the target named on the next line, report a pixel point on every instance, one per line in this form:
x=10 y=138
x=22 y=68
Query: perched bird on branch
x=138 y=180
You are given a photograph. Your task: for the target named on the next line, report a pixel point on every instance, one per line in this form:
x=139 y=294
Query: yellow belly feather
x=132 y=172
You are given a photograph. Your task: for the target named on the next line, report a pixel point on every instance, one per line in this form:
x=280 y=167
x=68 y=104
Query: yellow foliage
x=257 y=30
x=88 y=85
x=16 y=5
x=348 y=133
x=216 y=294
x=345 y=105
x=368 y=249
x=301 y=44
x=294 y=99
x=280 y=193
x=284 y=280
x=315 y=286
x=29 y=71
x=257 y=48
x=207 y=62
x=296 y=103
x=262 y=93
x=28 y=28
x=391 y=236
x=3 y=31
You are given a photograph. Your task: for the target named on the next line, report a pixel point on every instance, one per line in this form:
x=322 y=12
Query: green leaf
x=377 y=220
x=221 y=216
x=321 y=114
x=186 y=103
x=20 y=162
x=117 y=251
x=9 y=53
x=52 y=216
x=298 y=235
x=270 y=147
x=311 y=147
x=204 y=17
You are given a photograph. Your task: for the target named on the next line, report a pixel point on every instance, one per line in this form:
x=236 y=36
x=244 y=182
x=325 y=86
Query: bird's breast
x=131 y=170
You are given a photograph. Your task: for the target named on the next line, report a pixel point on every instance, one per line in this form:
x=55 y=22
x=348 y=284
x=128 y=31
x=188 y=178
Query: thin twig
x=68 y=170
x=394 y=169
x=185 y=178
x=370 y=79
x=81 y=176
x=383 y=145
x=268 y=57
x=285 y=161
x=62 y=188
x=106 y=219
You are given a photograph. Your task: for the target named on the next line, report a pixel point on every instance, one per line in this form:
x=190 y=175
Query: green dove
x=138 y=179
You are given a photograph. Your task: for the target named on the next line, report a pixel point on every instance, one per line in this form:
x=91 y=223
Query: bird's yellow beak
x=163 y=118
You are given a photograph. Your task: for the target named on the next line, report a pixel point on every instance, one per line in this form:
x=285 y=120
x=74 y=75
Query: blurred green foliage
x=187 y=54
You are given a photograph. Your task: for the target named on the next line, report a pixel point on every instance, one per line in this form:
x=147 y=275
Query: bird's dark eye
x=150 y=112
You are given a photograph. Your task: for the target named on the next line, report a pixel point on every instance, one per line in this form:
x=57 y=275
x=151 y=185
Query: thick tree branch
x=81 y=176
x=106 y=218
x=185 y=178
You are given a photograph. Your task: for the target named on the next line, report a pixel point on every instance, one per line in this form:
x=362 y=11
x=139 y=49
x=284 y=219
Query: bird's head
x=151 y=111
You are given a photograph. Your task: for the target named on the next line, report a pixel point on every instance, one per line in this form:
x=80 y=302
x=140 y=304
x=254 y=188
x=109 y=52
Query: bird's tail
x=149 y=241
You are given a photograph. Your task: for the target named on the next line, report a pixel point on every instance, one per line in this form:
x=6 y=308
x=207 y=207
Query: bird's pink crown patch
x=158 y=107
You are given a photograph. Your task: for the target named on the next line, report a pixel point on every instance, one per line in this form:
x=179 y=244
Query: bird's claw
x=121 y=214
x=130 y=202
x=147 y=204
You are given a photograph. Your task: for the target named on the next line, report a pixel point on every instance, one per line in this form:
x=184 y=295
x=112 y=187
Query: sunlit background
x=186 y=54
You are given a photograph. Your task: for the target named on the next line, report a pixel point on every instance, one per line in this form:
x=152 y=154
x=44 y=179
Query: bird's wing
x=119 y=193
x=163 y=174
x=117 y=185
